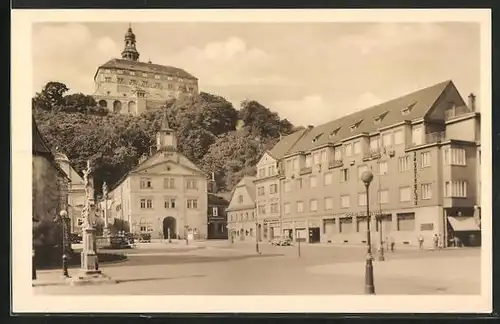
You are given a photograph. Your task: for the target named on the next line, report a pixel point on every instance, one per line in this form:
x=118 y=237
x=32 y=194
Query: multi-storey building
x=164 y=193
x=423 y=149
x=128 y=86
x=217 y=217
x=76 y=192
x=242 y=222
x=268 y=186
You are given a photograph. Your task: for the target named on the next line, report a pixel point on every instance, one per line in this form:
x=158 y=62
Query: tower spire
x=165 y=138
x=130 y=51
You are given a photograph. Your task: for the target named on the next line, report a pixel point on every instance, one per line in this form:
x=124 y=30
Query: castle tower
x=130 y=52
x=165 y=138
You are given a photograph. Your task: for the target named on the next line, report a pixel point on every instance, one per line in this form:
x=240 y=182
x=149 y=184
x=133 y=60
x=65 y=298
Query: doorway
x=314 y=235
x=169 y=224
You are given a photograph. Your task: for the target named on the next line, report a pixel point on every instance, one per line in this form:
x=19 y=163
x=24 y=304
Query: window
x=120 y=80
x=262 y=209
x=274 y=208
x=313 y=181
x=169 y=183
x=260 y=191
x=132 y=72
x=373 y=143
x=262 y=173
x=406 y=221
x=146 y=183
x=316 y=158
x=158 y=85
x=455 y=156
x=107 y=79
x=192 y=203
x=345 y=201
x=338 y=154
x=404 y=194
x=300 y=206
x=426 y=191
x=425 y=159
x=382 y=167
x=328 y=203
x=286 y=207
x=309 y=160
x=344 y=175
x=417 y=136
x=146 y=203
x=383 y=196
x=170 y=86
x=299 y=183
x=348 y=149
x=119 y=71
x=143 y=203
x=107 y=71
x=273 y=188
x=362 y=199
x=387 y=139
x=456 y=189
x=313 y=205
x=345 y=225
x=270 y=170
x=404 y=163
x=295 y=165
x=357 y=147
x=215 y=211
x=327 y=179
x=191 y=184
x=399 y=137
x=240 y=199
x=170 y=203
x=287 y=188
x=157 y=76
x=362 y=169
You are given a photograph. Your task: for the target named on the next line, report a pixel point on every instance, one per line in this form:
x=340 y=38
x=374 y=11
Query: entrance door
x=314 y=235
x=169 y=225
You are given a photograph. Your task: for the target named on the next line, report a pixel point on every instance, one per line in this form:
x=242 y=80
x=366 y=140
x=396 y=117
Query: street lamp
x=367 y=178
x=381 y=250
x=63 y=219
x=257 y=237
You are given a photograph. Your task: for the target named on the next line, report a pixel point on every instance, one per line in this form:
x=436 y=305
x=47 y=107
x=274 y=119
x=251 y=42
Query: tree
x=263 y=122
x=52 y=95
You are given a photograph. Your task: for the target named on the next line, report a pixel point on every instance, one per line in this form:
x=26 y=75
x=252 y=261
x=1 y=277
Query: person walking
x=392 y=244
x=435 y=239
x=440 y=242
x=421 y=242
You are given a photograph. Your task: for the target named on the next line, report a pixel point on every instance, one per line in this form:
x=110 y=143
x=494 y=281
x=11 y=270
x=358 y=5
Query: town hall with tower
x=128 y=86
x=165 y=193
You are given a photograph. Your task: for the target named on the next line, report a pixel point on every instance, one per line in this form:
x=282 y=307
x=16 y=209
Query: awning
x=462 y=224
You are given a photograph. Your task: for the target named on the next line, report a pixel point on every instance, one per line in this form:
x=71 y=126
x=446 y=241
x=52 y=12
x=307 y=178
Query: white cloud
x=311 y=109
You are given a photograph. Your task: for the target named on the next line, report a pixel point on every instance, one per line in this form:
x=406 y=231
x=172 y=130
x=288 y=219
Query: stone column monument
x=89 y=272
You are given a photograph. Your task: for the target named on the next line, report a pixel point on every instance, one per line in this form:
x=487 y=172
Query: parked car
x=145 y=238
x=286 y=241
x=75 y=238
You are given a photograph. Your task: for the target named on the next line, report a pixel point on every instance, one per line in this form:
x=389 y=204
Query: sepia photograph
x=327 y=161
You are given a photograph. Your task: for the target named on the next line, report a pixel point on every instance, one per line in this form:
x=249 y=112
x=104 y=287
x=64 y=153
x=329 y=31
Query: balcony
x=305 y=170
x=335 y=164
x=436 y=137
x=372 y=155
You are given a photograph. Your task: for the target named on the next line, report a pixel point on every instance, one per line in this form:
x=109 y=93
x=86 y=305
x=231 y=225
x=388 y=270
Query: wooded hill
x=210 y=131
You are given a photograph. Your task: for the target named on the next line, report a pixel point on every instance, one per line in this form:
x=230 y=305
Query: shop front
x=462 y=227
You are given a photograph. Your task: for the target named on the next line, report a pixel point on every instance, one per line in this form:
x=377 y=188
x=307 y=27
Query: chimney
x=472 y=102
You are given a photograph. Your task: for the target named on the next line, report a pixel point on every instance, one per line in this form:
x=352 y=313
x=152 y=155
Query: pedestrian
x=392 y=244
x=436 y=241
x=455 y=241
x=440 y=242
x=386 y=243
x=421 y=242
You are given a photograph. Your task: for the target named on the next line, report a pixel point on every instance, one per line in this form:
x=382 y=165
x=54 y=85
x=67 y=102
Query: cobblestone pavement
x=223 y=269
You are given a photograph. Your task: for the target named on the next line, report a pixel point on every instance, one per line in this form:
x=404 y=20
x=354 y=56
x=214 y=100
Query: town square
x=226 y=162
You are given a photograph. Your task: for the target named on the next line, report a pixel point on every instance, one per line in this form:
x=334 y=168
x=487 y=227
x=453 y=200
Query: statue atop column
x=89 y=196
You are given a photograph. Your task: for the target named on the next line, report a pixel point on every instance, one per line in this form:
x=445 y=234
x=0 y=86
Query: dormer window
x=407 y=110
x=355 y=125
x=380 y=117
x=334 y=132
x=316 y=138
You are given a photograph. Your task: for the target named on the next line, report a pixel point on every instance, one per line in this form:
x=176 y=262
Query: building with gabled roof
x=424 y=151
x=126 y=85
x=165 y=193
x=242 y=223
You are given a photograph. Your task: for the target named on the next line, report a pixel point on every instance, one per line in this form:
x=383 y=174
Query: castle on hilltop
x=129 y=86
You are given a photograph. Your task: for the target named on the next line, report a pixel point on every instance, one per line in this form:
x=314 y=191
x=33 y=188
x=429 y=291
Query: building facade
x=76 y=192
x=217 y=217
x=129 y=86
x=268 y=187
x=242 y=222
x=165 y=193
x=423 y=151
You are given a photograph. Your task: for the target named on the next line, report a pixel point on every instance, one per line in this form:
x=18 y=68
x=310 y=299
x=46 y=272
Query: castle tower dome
x=130 y=51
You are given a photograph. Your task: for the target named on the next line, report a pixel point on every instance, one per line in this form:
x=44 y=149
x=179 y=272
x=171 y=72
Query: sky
x=309 y=73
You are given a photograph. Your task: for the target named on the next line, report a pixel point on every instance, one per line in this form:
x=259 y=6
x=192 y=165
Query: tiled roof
x=217 y=200
x=279 y=150
x=147 y=67
x=248 y=183
x=38 y=144
x=419 y=102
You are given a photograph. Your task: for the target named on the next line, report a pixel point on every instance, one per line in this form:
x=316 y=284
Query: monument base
x=90 y=277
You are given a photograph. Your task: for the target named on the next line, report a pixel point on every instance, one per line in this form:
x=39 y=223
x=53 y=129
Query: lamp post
x=367 y=178
x=257 y=233
x=63 y=218
x=33 y=265
x=381 y=250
